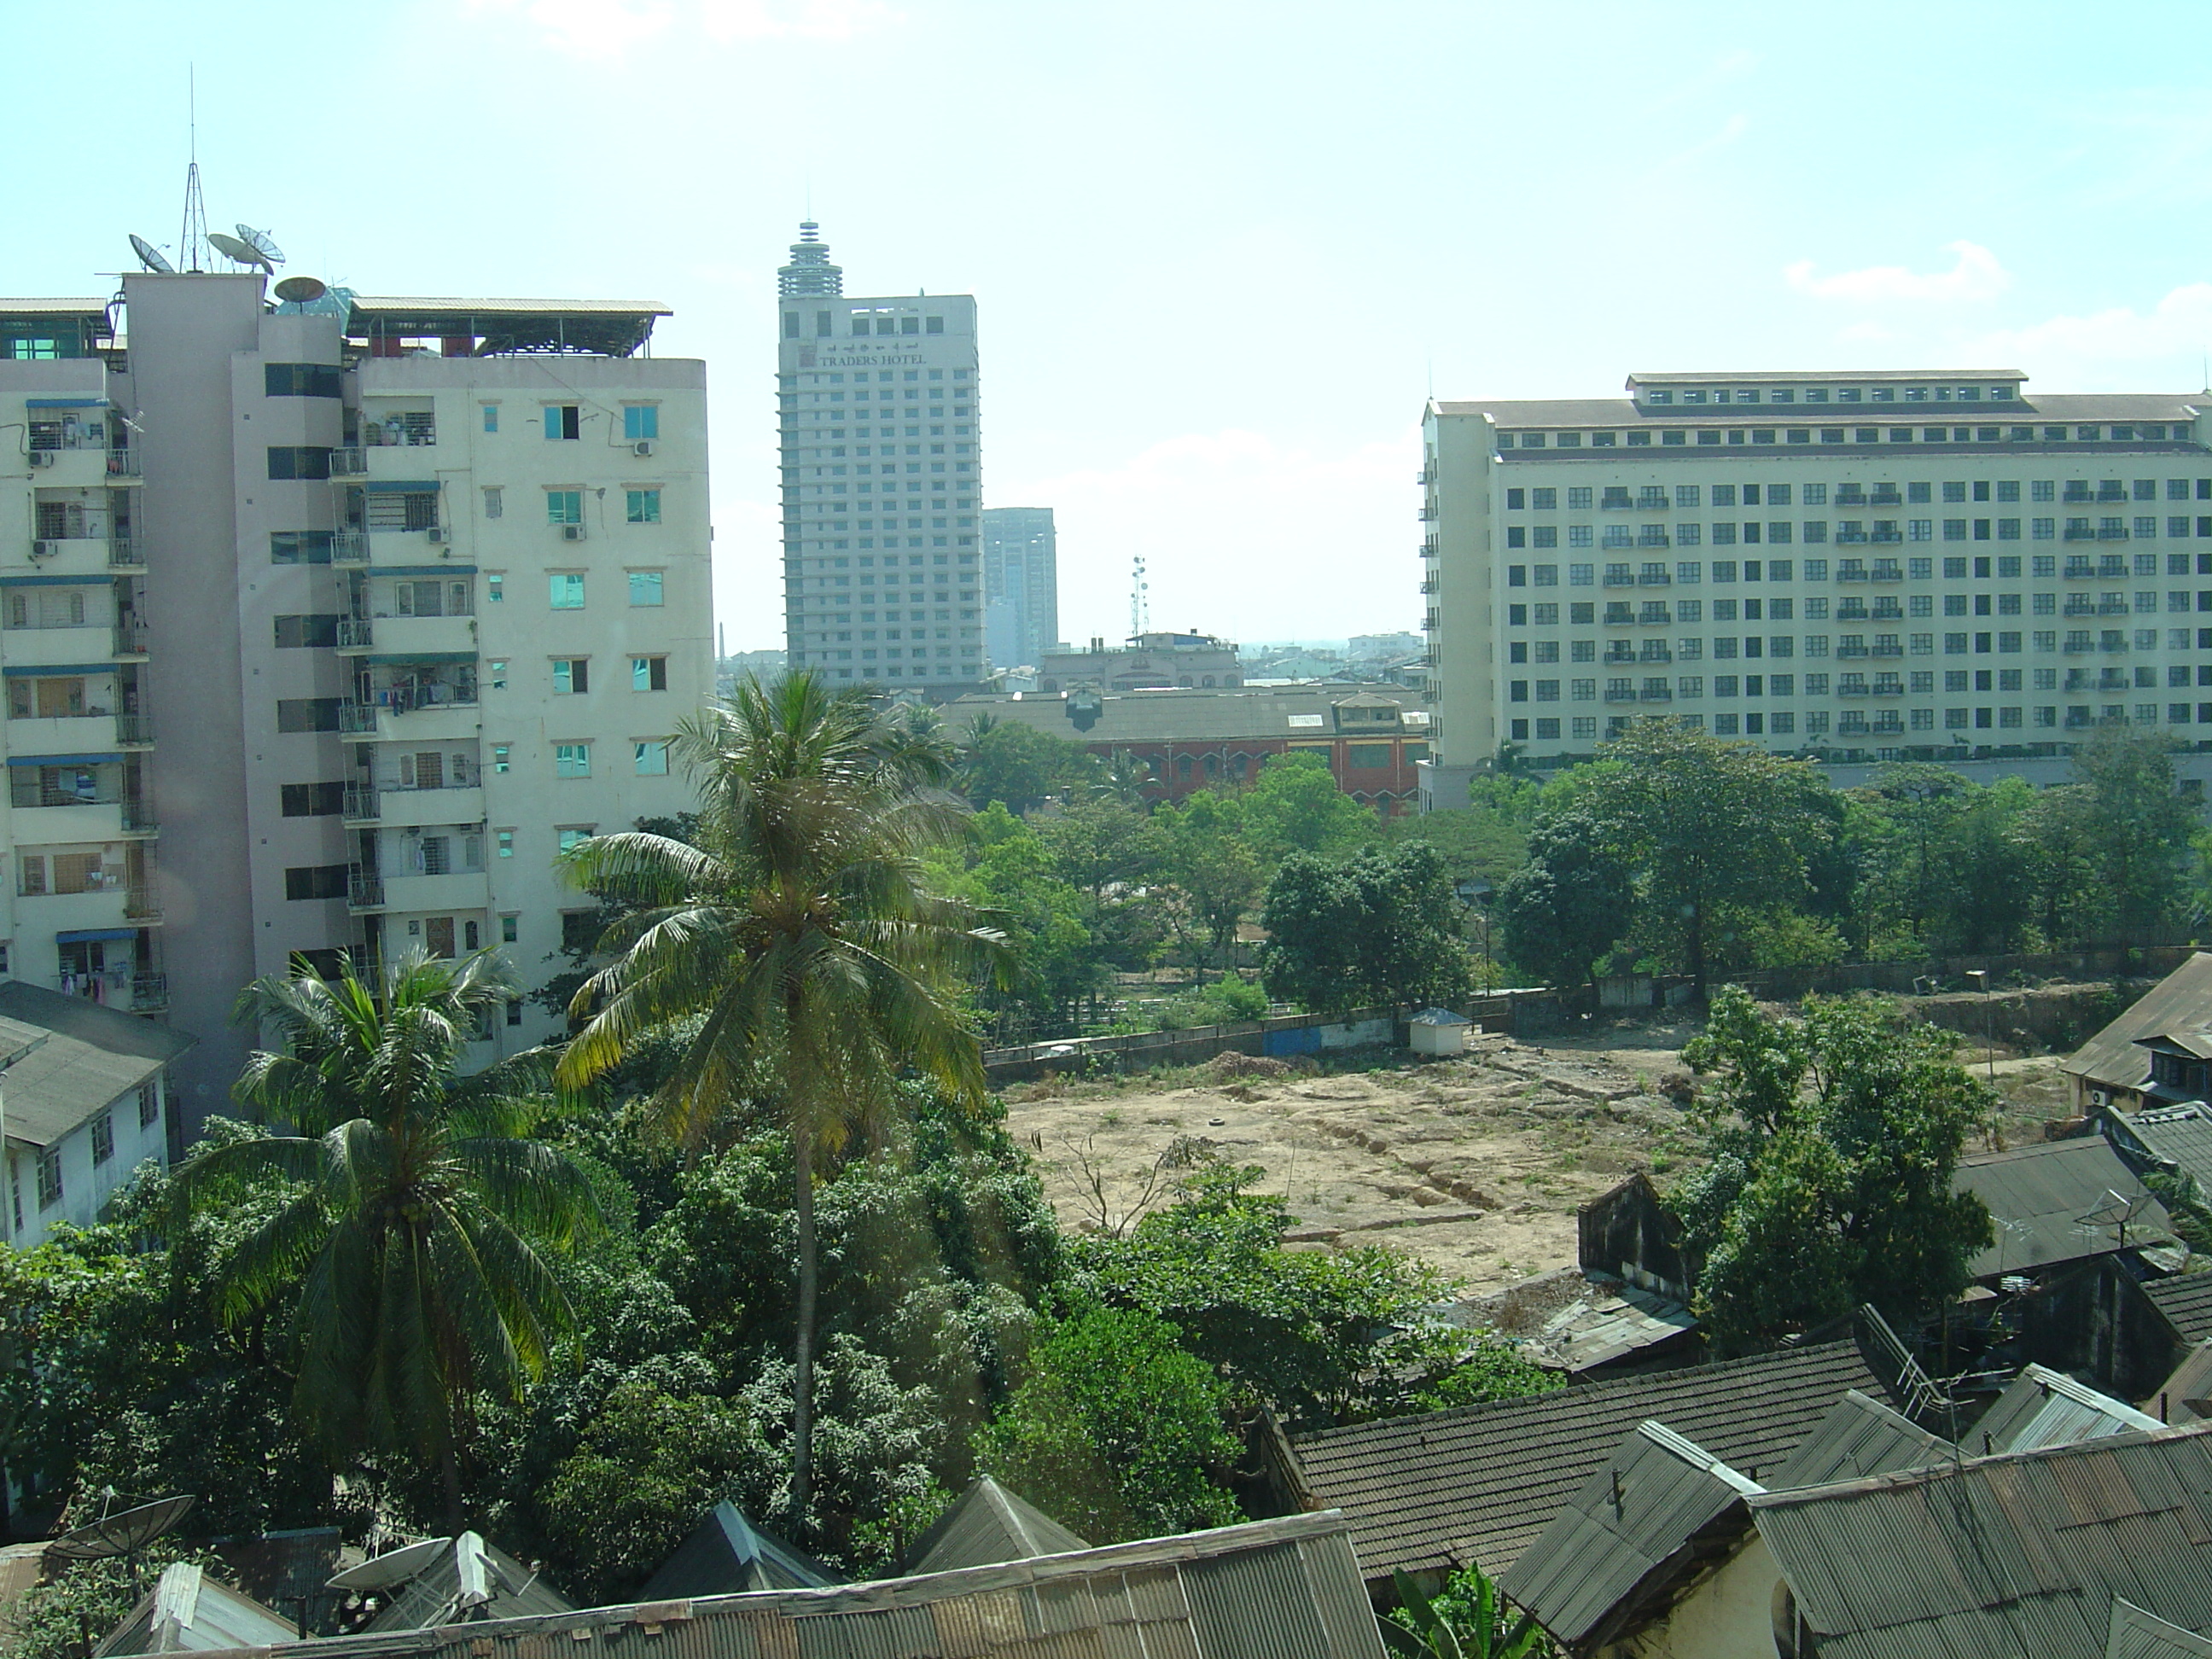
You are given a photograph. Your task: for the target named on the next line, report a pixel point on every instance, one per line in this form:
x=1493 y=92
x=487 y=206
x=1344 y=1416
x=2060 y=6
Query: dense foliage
x=1377 y=928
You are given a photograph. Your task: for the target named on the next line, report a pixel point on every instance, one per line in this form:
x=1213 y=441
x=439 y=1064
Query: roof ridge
x=1951 y=1468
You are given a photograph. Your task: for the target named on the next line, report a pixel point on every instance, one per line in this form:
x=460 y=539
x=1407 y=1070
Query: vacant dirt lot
x=1475 y=1165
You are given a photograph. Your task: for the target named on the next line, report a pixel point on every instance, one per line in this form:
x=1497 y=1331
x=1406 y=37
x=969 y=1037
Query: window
x=50 y=1177
x=650 y=757
x=294 y=633
x=495 y=588
x=571 y=760
x=302 y=381
x=571 y=675
x=503 y=843
x=574 y=835
x=149 y=1105
x=644 y=587
x=299 y=461
x=502 y=758
x=299 y=546
x=566 y=590
x=491 y=417
x=640 y=420
x=312 y=800
x=563 y=420
x=648 y=673
x=509 y=927
x=103 y=1139
x=495 y=501
x=641 y=505
x=316 y=881
x=307 y=713
x=565 y=506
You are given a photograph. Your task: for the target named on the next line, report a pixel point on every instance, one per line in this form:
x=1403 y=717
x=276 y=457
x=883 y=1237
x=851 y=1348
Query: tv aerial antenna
x=192 y=239
x=1140 y=605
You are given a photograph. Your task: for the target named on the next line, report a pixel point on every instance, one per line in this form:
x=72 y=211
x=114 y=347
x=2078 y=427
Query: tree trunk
x=802 y=1401
x=449 y=1469
x=1698 y=951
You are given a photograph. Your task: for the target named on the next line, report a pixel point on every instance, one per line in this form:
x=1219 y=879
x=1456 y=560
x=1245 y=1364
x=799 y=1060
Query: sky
x=1222 y=252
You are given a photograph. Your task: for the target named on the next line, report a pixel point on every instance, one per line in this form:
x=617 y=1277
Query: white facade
x=324 y=628
x=880 y=430
x=1934 y=566
x=71 y=1178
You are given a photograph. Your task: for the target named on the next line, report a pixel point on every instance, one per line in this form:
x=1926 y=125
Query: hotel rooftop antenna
x=192 y=239
x=810 y=272
x=1141 y=606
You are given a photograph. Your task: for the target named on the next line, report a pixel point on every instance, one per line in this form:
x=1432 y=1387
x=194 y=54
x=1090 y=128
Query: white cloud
x=1240 y=534
x=1976 y=276
x=2178 y=326
x=599 y=28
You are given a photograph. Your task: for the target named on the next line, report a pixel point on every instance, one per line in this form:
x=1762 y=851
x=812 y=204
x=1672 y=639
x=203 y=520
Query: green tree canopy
x=1379 y=928
x=1569 y=904
x=1832 y=1142
x=1009 y=762
x=1295 y=807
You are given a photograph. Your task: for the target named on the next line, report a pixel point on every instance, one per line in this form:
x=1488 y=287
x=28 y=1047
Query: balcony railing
x=362 y=803
x=355 y=634
x=349 y=463
x=142 y=901
x=1657 y=694
x=139 y=818
x=2078 y=532
x=130 y=639
x=134 y=731
x=1655 y=578
x=349 y=547
x=2112 y=533
x=364 y=892
x=2076 y=647
x=356 y=718
x=400 y=432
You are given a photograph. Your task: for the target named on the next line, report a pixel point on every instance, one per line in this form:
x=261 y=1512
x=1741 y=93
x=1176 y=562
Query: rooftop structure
x=1854 y=567
x=2060 y=1201
x=2145 y=1056
x=989 y=1523
x=1157 y=661
x=726 y=1555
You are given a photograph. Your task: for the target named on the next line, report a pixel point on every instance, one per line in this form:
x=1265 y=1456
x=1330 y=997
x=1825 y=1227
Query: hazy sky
x=1222 y=250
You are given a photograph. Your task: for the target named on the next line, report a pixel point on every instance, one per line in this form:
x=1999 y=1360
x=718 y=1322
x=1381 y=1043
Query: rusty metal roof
x=2044 y=1408
x=1860 y=1436
x=2020 y=1553
x=2186 y=1394
x=1287 y=1588
x=1480 y=1483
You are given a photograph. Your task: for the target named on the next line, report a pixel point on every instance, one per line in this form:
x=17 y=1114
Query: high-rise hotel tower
x=881 y=466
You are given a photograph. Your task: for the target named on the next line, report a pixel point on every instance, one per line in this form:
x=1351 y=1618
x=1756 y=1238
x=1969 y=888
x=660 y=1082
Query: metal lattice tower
x=810 y=272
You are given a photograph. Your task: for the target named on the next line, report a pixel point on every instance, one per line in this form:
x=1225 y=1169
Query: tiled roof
x=2181 y=1002
x=1999 y=1557
x=1480 y=1483
x=2186 y=1301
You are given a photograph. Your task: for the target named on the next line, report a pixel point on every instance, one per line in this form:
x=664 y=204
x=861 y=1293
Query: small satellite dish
x=236 y=251
x=299 y=290
x=125 y=1533
x=259 y=242
x=392 y=1567
x=150 y=257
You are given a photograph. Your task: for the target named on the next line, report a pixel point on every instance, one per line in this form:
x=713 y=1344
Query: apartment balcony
x=85 y=555
x=1853 y=651
x=1890 y=500
x=412 y=430
x=2078 y=647
x=1858 y=502
x=2111 y=495
x=1654 y=619
x=362 y=803
x=1430 y=584
x=130 y=639
x=2078 y=532
x=364 y=893
x=92 y=733
x=1655 y=694
x=150 y=992
x=1620 y=694
x=462 y=890
x=1888 y=651
x=349 y=463
x=1848 y=687
x=1886 y=570
x=1655 y=578
x=1653 y=504
x=412 y=722
x=2111 y=646
x=141 y=903
x=1621 y=504
x=355 y=635
x=55 y=817
x=1887 y=537
x=400 y=808
x=349 y=547
x=72 y=645
x=2112 y=533
x=1647 y=656
x=1620 y=576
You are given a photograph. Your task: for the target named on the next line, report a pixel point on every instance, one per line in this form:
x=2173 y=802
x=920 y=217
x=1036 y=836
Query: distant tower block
x=810 y=271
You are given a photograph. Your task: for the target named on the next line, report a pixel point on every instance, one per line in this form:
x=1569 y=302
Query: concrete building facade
x=1859 y=567
x=1021 y=586
x=1146 y=662
x=393 y=598
x=880 y=426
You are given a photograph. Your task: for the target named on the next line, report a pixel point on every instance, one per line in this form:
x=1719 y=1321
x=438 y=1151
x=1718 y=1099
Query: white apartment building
x=326 y=626
x=1859 y=567
x=880 y=434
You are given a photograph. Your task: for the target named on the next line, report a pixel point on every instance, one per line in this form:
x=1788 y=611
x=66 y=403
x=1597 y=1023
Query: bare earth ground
x=1475 y=1165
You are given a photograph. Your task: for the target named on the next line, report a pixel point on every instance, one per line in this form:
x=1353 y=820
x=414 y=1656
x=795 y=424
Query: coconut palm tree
x=415 y=1213
x=799 y=933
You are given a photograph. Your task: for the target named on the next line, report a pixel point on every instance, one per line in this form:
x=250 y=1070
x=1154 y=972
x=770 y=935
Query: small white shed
x=1439 y=1031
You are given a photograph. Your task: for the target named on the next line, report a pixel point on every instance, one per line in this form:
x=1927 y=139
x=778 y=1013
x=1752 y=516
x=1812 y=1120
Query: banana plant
x=1468 y=1620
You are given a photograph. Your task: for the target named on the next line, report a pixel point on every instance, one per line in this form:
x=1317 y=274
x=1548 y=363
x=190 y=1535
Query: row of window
x=101 y=1132
x=883 y=377
x=2003 y=642
x=1653 y=498
x=1888 y=683
x=1782 y=531
x=1820 y=394
x=2180 y=432
x=2004 y=566
x=883 y=323
x=1887 y=722
x=564 y=423
x=1888 y=607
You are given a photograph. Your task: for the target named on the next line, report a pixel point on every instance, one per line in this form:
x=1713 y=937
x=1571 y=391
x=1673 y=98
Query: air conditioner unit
x=42 y=458
x=642 y=446
x=572 y=532
x=437 y=533
x=43 y=549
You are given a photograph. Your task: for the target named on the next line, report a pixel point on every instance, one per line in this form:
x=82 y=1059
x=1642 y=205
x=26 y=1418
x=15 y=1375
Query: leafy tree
x=800 y=927
x=1118 y=1431
x=2140 y=827
x=417 y=1215
x=1208 y=862
x=1832 y=1141
x=1713 y=829
x=1052 y=960
x=1914 y=809
x=1570 y=905
x=1022 y=767
x=51 y=1620
x=1295 y=807
x=1379 y=928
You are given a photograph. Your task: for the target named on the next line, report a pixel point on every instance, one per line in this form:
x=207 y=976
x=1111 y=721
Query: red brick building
x=1372 y=737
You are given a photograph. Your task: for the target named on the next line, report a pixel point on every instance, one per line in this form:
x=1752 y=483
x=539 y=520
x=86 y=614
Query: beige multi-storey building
x=326 y=626
x=880 y=428
x=1933 y=565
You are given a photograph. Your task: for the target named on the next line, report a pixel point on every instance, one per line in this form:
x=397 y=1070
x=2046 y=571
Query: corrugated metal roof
x=2186 y=1301
x=2001 y=1556
x=989 y=1523
x=726 y=1555
x=1860 y=1436
x=2060 y=1201
x=2042 y=1407
x=2178 y=1136
x=187 y=1612
x=1287 y=1589
x=2186 y=1394
x=2182 y=1001
x=2135 y=1634
x=1480 y=1483
x=93 y=1056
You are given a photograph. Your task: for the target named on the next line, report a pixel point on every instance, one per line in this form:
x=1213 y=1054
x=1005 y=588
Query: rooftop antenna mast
x=191 y=240
x=1140 y=607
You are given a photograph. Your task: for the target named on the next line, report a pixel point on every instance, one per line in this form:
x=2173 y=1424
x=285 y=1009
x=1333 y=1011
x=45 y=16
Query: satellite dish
x=259 y=242
x=150 y=257
x=125 y=1533
x=300 y=290
x=393 y=1567
x=236 y=251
